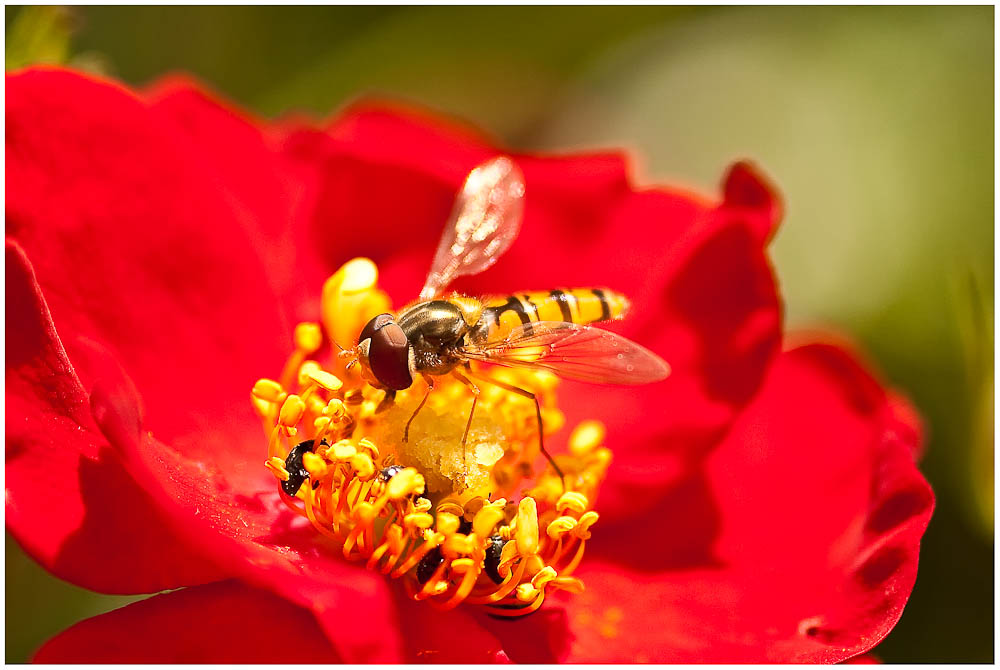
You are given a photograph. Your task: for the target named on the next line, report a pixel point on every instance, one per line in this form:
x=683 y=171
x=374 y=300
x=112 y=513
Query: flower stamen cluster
x=428 y=510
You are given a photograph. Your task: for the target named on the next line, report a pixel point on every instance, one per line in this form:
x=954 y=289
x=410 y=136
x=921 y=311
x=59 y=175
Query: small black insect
x=390 y=472
x=492 y=563
x=428 y=564
x=297 y=474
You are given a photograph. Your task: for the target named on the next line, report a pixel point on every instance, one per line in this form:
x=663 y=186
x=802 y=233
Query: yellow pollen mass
x=446 y=518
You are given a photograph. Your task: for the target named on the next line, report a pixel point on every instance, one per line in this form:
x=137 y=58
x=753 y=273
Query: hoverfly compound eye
x=388 y=352
x=375 y=324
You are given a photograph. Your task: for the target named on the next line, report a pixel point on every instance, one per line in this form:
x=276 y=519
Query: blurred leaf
x=38 y=605
x=500 y=66
x=975 y=321
x=38 y=34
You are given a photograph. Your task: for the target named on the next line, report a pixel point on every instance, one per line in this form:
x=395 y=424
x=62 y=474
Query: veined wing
x=483 y=224
x=573 y=351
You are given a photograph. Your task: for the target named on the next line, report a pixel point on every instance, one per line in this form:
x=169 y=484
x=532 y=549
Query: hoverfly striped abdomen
x=582 y=306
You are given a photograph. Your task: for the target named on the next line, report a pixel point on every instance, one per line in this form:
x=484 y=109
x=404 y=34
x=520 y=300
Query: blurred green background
x=877 y=123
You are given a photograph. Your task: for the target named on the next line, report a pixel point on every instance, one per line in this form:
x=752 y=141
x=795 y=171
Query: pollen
x=486 y=521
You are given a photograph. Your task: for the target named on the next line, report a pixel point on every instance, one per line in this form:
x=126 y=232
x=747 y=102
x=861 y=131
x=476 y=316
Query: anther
x=314 y=465
x=450 y=506
x=543 y=577
x=335 y=409
x=351 y=292
x=369 y=446
x=422 y=505
x=447 y=524
x=308 y=337
x=268 y=390
x=572 y=500
x=586 y=437
x=571 y=584
x=526 y=531
x=363 y=466
x=305 y=370
x=486 y=520
x=277 y=468
x=526 y=592
x=405 y=483
x=458 y=545
x=560 y=526
x=418 y=520
x=582 y=529
x=291 y=412
x=342 y=450
x=326 y=380
x=359 y=274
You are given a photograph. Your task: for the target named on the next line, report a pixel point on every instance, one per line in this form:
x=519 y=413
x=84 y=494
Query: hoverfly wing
x=573 y=351
x=484 y=223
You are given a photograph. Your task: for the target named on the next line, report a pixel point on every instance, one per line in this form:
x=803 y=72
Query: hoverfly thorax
x=436 y=330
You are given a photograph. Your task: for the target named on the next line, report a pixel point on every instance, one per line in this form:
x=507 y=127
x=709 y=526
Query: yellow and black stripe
x=575 y=305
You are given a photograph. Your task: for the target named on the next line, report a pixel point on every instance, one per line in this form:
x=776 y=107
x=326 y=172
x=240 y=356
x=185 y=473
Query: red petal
x=454 y=636
x=263 y=184
x=702 y=289
x=226 y=622
x=818 y=510
x=256 y=538
x=69 y=501
x=140 y=247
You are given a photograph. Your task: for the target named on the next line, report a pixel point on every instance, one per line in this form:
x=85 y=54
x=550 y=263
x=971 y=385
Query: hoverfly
x=542 y=330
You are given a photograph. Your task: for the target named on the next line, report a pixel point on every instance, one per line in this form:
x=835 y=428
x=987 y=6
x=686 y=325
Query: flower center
x=457 y=519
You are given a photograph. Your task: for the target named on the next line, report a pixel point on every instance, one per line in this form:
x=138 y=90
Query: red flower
x=763 y=505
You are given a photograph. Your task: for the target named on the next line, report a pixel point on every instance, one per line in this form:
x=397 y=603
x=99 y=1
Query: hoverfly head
x=385 y=354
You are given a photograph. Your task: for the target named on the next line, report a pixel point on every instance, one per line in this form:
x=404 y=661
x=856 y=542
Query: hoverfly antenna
x=351 y=353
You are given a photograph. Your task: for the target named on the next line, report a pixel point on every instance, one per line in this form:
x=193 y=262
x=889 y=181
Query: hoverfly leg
x=430 y=387
x=387 y=401
x=475 y=398
x=468 y=424
x=538 y=415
